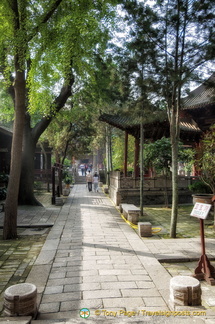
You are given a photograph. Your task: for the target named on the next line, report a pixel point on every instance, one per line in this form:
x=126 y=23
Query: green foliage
x=118 y=151
x=55 y=39
x=206 y=162
x=67 y=163
x=37 y=185
x=199 y=187
x=6 y=106
x=74 y=38
x=159 y=155
x=187 y=157
x=70 y=132
x=4 y=178
x=68 y=179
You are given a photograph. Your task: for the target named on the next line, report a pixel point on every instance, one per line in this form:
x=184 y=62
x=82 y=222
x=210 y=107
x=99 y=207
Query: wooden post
x=60 y=176
x=136 y=158
x=141 y=167
x=204 y=270
x=126 y=155
x=53 y=185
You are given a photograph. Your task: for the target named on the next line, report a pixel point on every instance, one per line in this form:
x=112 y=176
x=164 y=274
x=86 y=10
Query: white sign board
x=201 y=210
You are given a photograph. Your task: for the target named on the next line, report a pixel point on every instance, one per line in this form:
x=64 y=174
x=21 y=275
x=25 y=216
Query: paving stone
x=60 y=297
x=54 y=290
x=210 y=301
x=82 y=287
x=78 y=304
x=115 y=272
x=16 y=320
x=158 y=301
x=139 y=271
x=100 y=266
x=82 y=273
x=52 y=307
x=99 y=278
x=134 y=277
x=140 y=293
x=119 y=285
x=39 y=276
x=145 y=284
x=57 y=275
x=128 y=303
x=64 y=281
x=102 y=293
x=45 y=257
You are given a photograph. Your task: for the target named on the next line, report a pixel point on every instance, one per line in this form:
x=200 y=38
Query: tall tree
x=44 y=44
x=180 y=35
x=70 y=133
x=185 y=44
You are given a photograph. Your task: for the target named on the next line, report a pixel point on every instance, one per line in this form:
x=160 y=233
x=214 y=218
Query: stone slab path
x=93 y=259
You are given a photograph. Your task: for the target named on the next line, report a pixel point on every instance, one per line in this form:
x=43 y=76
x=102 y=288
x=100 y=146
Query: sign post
x=204 y=270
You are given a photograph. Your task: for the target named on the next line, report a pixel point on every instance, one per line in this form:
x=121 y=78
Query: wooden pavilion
x=197 y=115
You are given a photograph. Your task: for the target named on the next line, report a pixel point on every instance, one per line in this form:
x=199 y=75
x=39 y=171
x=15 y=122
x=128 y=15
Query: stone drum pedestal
x=20 y=300
x=184 y=291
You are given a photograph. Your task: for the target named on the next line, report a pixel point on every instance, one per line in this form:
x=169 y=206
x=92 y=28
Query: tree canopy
x=51 y=50
x=45 y=47
x=170 y=44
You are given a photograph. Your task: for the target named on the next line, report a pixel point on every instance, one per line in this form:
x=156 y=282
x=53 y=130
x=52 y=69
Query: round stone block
x=20 y=300
x=185 y=291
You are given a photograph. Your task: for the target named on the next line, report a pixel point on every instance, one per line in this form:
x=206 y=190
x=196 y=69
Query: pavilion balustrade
x=125 y=187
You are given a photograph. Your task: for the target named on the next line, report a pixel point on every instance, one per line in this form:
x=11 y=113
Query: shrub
x=199 y=187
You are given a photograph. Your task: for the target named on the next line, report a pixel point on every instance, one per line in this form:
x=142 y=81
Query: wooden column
x=126 y=155
x=136 y=158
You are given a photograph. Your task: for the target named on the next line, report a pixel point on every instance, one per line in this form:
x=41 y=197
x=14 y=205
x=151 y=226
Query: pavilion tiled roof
x=200 y=104
x=6 y=130
x=202 y=96
x=197 y=115
x=120 y=121
x=154 y=130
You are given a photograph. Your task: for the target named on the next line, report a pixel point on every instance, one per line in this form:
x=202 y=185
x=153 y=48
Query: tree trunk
x=46 y=166
x=10 y=220
x=108 y=154
x=31 y=137
x=166 y=198
x=174 y=211
x=26 y=189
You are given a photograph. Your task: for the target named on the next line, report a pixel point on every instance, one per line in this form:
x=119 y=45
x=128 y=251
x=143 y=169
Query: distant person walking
x=86 y=168
x=82 y=166
x=89 y=180
x=95 y=181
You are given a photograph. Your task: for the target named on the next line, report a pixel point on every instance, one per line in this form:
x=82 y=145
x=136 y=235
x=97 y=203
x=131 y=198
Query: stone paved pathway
x=92 y=259
x=93 y=262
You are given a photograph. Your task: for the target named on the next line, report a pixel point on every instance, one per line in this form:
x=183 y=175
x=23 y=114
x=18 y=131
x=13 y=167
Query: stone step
x=16 y=320
x=71 y=321
x=103 y=320
x=80 y=179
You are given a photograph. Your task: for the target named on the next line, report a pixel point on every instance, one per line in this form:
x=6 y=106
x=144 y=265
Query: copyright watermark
x=85 y=313
x=143 y=312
